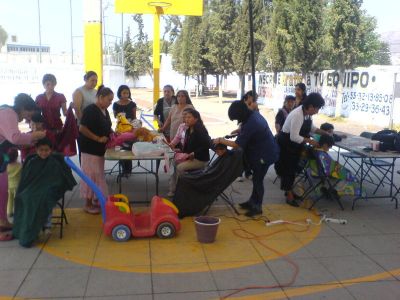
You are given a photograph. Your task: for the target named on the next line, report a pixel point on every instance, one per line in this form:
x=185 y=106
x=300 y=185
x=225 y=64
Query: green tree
x=345 y=18
x=345 y=21
x=137 y=52
x=306 y=35
x=190 y=48
x=241 y=41
x=370 y=45
x=382 y=57
x=3 y=36
x=275 y=54
x=219 y=44
x=172 y=28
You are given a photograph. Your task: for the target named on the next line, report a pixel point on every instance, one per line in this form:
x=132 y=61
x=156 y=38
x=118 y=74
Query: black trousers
x=287 y=165
x=257 y=194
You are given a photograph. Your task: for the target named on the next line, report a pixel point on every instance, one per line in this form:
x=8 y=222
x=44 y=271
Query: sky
x=20 y=18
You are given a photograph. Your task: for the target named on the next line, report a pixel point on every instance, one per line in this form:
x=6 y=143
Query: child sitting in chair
x=221 y=149
x=37 y=124
x=328 y=127
x=346 y=183
x=44 y=180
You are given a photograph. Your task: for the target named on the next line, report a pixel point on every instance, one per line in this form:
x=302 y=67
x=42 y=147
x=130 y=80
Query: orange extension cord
x=244 y=234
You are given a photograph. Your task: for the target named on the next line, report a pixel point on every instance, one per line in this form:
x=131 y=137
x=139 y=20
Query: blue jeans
x=259 y=171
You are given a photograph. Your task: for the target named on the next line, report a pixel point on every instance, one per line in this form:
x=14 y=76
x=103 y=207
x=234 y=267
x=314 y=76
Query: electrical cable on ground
x=247 y=235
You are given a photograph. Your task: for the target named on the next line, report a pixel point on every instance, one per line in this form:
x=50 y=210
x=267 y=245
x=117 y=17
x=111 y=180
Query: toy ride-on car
x=121 y=223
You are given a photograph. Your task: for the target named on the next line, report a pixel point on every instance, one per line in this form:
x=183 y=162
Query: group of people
x=177 y=119
x=92 y=120
x=184 y=129
x=28 y=201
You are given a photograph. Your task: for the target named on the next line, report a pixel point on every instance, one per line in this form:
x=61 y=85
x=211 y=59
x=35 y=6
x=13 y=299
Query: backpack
x=387 y=138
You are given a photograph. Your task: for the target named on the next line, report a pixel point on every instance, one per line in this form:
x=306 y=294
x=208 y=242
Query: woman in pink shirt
x=24 y=107
x=51 y=103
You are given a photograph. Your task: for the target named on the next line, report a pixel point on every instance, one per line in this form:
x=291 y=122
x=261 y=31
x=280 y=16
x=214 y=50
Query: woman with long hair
x=175 y=115
x=197 y=144
x=300 y=92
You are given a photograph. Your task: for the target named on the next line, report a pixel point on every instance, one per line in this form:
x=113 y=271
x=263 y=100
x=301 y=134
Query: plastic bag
x=123 y=124
x=141 y=149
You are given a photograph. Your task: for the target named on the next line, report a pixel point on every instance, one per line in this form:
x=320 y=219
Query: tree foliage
x=279 y=38
x=345 y=21
x=306 y=32
x=241 y=37
x=137 y=51
x=221 y=17
x=290 y=35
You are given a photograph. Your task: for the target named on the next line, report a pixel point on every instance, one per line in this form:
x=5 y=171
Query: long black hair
x=121 y=88
x=199 y=124
x=185 y=92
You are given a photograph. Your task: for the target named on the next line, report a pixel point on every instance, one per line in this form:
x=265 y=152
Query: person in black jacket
x=197 y=145
x=163 y=107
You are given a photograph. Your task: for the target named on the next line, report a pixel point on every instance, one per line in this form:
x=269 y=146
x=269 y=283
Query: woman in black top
x=300 y=92
x=128 y=107
x=125 y=104
x=283 y=112
x=197 y=145
x=94 y=129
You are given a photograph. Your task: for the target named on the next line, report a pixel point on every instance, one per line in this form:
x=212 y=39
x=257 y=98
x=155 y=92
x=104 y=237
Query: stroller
x=198 y=190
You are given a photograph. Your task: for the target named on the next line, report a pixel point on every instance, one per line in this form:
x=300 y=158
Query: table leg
x=393 y=197
x=119 y=179
x=361 y=183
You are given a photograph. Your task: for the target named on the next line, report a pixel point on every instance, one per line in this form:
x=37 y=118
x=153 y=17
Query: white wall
x=27 y=78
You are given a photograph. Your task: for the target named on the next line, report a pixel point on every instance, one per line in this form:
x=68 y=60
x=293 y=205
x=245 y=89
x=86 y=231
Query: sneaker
x=171 y=194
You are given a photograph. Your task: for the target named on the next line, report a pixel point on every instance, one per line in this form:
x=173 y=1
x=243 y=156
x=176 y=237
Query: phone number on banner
x=371 y=108
x=368 y=97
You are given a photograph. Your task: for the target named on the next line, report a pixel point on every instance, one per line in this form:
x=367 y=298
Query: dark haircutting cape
x=195 y=191
x=43 y=183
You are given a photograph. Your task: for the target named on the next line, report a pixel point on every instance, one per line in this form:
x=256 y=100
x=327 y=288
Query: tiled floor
x=359 y=260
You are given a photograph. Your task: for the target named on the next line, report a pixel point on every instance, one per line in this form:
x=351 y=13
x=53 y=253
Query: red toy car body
x=121 y=222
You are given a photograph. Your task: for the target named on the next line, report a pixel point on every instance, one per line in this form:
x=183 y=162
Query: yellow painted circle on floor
x=84 y=243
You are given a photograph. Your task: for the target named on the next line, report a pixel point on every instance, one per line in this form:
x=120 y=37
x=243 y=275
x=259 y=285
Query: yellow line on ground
x=312 y=289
